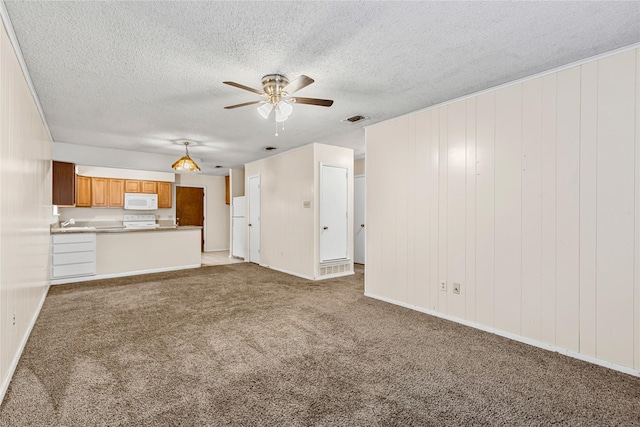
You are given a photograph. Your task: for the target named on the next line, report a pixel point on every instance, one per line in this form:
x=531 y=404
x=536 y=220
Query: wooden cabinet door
x=227 y=195
x=150 y=187
x=116 y=192
x=83 y=192
x=100 y=192
x=164 y=195
x=132 y=186
x=64 y=180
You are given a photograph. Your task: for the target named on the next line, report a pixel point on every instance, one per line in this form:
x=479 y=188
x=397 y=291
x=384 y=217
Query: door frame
x=248 y=208
x=364 y=212
x=204 y=208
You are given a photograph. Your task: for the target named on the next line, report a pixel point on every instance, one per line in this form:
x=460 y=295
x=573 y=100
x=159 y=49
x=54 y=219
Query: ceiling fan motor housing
x=272 y=85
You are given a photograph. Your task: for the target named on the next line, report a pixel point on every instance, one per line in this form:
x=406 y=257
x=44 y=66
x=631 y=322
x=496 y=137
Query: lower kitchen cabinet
x=73 y=255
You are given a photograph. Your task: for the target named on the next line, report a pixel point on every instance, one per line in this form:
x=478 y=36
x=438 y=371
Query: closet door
x=334 y=216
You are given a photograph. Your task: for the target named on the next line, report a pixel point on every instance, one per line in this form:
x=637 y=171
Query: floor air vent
x=333 y=269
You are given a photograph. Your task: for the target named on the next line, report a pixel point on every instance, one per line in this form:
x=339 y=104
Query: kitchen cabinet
x=64 y=183
x=99 y=192
x=83 y=191
x=73 y=255
x=149 y=187
x=227 y=191
x=116 y=192
x=164 y=194
x=132 y=186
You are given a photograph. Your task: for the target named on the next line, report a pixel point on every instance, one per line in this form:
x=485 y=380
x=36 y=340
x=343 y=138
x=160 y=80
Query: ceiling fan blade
x=313 y=101
x=242 y=105
x=250 y=89
x=297 y=84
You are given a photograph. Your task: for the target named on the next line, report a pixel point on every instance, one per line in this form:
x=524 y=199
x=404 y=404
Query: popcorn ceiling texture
x=141 y=75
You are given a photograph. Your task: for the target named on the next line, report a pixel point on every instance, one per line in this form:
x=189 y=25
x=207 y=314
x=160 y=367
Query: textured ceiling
x=142 y=75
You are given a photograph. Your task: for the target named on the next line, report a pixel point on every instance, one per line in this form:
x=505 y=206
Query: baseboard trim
x=282 y=270
x=519 y=338
x=125 y=274
x=14 y=363
x=216 y=250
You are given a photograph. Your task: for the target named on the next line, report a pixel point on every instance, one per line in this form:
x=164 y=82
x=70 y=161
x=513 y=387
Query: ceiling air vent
x=354 y=119
x=270 y=148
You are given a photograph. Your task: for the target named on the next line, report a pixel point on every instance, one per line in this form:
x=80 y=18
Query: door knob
x=325 y=228
x=249 y=225
x=362 y=225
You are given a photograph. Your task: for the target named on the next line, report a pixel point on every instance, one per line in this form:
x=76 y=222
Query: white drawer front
x=73 y=258
x=74 y=247
x=88 y=269
x=73 y=238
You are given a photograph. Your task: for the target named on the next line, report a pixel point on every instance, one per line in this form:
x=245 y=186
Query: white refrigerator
x=238 y=228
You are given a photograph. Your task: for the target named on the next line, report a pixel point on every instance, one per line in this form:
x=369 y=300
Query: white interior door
x=254 y=219
x=358 y=219
x=334 y=227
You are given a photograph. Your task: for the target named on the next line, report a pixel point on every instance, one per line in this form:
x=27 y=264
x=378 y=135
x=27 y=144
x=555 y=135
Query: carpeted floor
x=241 y=345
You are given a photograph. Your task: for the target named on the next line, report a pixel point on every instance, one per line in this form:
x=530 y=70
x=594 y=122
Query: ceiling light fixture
x=185 y=163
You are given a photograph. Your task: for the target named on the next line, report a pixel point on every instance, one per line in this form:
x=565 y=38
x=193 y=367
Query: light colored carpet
x=241 y=345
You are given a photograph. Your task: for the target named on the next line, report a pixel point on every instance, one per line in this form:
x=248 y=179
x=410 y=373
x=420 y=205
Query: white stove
x=139 y=221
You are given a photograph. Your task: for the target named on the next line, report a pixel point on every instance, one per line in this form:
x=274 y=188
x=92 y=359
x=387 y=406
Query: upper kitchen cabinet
x=99 y=192
x=83 y=191
x=150 y=187
x=64 y=188
x=164 y=194
x=132 y=186
x=116 y=192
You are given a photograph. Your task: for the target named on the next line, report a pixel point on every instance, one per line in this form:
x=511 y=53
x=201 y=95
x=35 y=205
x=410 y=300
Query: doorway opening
x=190 y=208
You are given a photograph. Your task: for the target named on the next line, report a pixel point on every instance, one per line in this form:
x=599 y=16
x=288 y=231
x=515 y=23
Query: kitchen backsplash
x=107 y=216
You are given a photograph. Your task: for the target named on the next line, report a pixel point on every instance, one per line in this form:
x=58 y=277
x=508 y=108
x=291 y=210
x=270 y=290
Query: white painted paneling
x=470 y=219
x=434 y=225
x=615 y=205
x=421 y=228
x=568 y=209
x=508 y=205
x=543 y=217
x=531 y=206
x=548 y=169
x=588 y=206
x=485 y=218
x=442 y=211
x=456 y=207
x=25 y=211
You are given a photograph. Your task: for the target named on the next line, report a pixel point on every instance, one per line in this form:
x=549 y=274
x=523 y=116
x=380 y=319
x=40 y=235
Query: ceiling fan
x=276 y=92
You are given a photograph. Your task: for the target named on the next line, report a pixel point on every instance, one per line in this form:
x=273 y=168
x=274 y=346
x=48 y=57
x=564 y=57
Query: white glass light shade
x=279 y=116
x=285 y=108
x=265 y=110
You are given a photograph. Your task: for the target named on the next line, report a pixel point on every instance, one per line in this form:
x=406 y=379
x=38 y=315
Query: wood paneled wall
x=529 y=197
x=25 y=210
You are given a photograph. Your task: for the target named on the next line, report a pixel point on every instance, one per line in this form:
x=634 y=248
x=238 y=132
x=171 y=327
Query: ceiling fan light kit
x=277 y=90
x=185 y=163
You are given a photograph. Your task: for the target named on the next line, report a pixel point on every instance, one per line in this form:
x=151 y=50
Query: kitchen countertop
x=69 y=230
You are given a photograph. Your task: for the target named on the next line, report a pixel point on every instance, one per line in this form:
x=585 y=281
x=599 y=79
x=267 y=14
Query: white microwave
x=140 y=201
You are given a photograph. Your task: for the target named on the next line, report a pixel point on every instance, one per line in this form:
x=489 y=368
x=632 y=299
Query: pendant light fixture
x=185 y=163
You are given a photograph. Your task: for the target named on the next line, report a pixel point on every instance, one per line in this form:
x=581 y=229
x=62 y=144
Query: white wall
x=358 y=167
x=217 y=211
x=25 y=211
x=290 y=232
x=287 y=228
x=529 y=197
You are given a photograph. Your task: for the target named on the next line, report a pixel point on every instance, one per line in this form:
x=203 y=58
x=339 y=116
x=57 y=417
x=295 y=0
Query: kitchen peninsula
x=121 y=251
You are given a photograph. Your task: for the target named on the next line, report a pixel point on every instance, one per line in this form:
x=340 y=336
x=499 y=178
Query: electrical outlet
x=14 y=320
x=456 y=288
x=443 y=285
